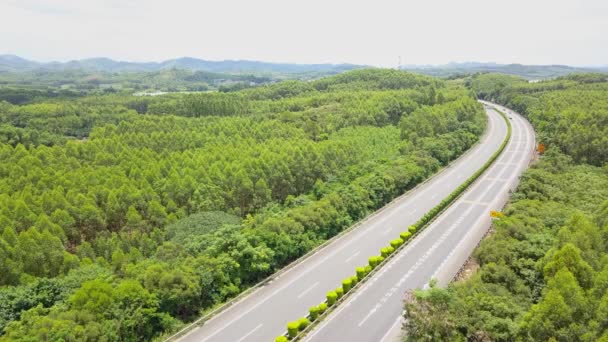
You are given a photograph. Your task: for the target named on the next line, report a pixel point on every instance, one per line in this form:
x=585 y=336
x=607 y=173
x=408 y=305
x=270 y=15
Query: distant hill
x=12 y=63
x=526 y=71
x=17 y=64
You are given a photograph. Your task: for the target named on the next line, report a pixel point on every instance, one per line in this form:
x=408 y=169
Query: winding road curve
x=372 y=313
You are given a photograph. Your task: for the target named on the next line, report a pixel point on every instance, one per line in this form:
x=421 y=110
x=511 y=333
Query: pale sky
x=312 y=31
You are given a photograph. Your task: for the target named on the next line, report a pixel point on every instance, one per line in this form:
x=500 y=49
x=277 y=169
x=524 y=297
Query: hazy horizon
x=296 y=62
x=435 y=32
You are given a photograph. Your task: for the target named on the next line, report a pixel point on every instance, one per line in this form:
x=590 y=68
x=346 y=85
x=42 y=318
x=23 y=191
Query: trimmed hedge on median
x=405 y=235
x=293 y=328
x=360 y=272
x=313 y=313
x=374 y=261
x=303 y=323
x=397 y=243
x=332 y=296
x=346 y=284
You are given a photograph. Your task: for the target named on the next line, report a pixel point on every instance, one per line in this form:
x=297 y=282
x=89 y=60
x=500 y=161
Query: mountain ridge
x=14 y=63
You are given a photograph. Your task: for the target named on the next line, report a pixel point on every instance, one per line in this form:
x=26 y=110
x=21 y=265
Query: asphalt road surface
x=373 y=313
x=264 y=314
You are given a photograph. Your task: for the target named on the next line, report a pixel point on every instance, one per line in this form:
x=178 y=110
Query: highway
x=263 y=314
x=373 y=313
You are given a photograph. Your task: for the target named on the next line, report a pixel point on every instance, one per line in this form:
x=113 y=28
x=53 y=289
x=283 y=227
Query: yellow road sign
x=496 y=214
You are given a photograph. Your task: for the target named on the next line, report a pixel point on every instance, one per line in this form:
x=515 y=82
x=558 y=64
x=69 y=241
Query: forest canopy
x=543 y=272
x=122 y=217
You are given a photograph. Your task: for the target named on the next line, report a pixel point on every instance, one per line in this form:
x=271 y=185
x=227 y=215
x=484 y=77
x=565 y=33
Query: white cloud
x=312 y=31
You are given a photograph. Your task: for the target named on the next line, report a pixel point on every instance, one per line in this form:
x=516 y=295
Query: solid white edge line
x=388 y=332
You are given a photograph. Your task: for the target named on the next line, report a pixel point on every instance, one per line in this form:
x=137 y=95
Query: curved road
x=373 y=313
x=263 y=314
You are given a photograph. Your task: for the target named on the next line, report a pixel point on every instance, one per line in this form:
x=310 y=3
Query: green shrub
x=314 y=312
x=380 y=259
x=303 y=322
x=354 y=279
x=386 y=251
x=368 y=269
x=332 y=296
x=405 y=235
x=347 y=284
x=373 y=261
x=281 y=339
x=293 y=328
x=322 y=308
x=360 y=272
x=340 y=292
x=412 y=229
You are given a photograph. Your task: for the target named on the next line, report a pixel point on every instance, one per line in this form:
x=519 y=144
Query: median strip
x=298 y=329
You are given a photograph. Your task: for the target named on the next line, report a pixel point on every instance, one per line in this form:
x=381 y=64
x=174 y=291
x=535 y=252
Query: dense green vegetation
x=39 y=85
x=122 y=217
x=570 y=113
x=532 y=72
x=23 y=81
x=544 y=271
